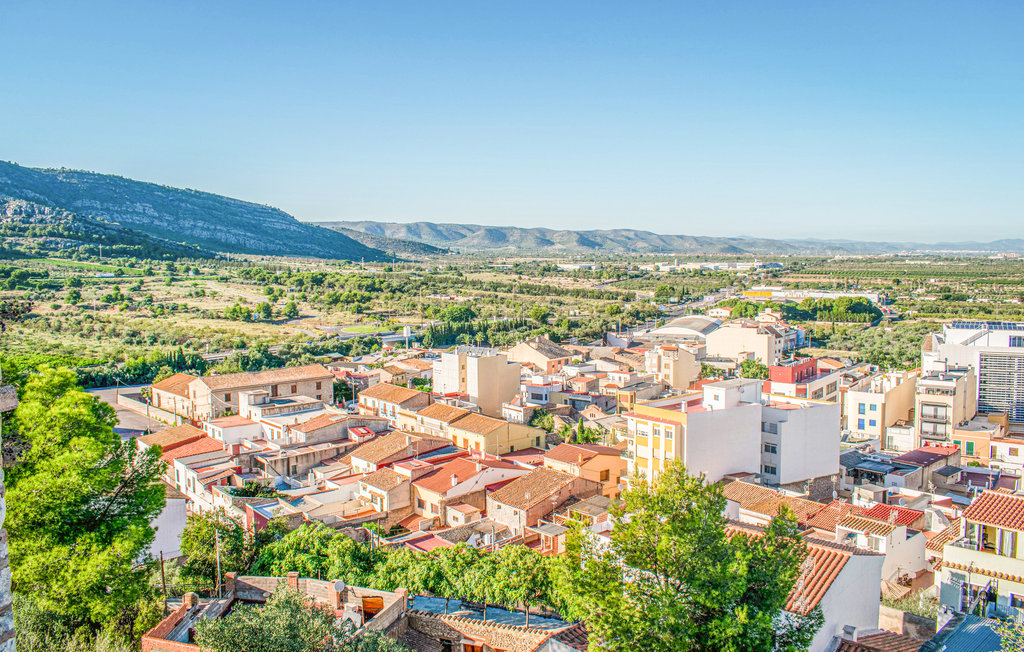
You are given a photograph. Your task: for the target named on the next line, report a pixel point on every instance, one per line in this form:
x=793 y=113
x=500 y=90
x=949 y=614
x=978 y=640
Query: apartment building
x=994 y=350
x=208 y=397
x=943 y=401
x=745 y=339
x=672 y=365
x=879 y=401
x=485 y=376
x=803 y=378
x=715 y=431
x=987 y=556
x=800 y=445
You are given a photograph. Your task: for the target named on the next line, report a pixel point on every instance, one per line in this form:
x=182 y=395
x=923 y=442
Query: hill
x=471 y=238
x=178 y=215
x=395 y=246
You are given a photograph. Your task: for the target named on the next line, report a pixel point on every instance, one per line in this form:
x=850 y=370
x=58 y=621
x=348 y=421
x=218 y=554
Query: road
x=130 y=424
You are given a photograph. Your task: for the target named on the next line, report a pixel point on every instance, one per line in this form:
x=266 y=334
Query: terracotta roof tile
x=579 y=453
x=270 y=376
x=867 y=525
x=199 y=446
x=390 y=393
x=904 y=515
x=478 y=423
x=442 y=412
x=384 y=479
x=318 y=422
x=882 y=642
x=176 y=384
x=828 y=517
x=528 y=490
x=952 y=532
x=173 y=437
x=440 y=479
x=997 y=508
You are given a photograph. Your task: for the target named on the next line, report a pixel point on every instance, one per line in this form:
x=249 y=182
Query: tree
x=708 y=371
x=1012 y=634
x=672 y=578
x=316 y=550
x=264 y=310
x=457 y=314
x=522 y=577
x=80 y=503
x=290 y=311
x=540 y=314
x=238 y=548
x=253 y=489
x=754 y=369
x=288 y=622
x=74 y=296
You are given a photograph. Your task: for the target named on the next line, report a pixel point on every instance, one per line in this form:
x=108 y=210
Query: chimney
x=293 y=580
x=455 y=479
x=850 y=633
x=190 y=599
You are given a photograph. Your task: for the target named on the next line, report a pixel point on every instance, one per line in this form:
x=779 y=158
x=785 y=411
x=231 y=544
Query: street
x=130 y=424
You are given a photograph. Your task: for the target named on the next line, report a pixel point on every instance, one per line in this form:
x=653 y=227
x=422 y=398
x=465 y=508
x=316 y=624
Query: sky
x=865 y=120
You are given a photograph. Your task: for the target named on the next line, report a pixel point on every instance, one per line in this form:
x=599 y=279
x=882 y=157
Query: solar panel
x=988 y=325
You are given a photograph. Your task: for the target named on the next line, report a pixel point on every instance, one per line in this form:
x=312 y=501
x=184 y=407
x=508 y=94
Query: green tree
x=80 y=502
x=540 y=314
x=290 y=311
x=74 y=296
x=264 y=310
x=522 y=577
x=288 y=622
x=457 y=314
x=239 y=549
x=754 y=369
x=316 y=550
x=671 y=577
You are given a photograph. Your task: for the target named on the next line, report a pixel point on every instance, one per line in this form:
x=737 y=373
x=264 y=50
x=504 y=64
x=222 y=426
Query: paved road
x=130 y=424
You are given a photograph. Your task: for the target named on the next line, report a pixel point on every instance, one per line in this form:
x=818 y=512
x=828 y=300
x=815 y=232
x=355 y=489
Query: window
x=1014 y=451
x=768 y=470
x=860 y=408
x=273 y=390
x=227 y=397
x=294 y=390
x=604 y=475
x=860 y=424
x=1017 y=341
x=1016 y=601
x=419 y=503
x=511 y=449
x=536 y=441
x=771 y=448
x=970 y=448
x=1007 y=543
x=319 y=385
x=874 y=408
x=872 y=423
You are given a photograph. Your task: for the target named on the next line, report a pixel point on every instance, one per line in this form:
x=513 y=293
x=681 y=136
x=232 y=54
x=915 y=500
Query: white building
x=485 y=376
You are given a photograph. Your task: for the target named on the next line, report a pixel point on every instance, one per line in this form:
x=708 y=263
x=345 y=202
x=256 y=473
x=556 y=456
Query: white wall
x=169 y=524
x=808 y=440
x=852 y=599
x=904 y=555
x=717 y=442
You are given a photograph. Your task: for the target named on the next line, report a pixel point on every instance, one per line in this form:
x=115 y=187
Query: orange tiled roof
x=526 y=491
x=384 y=479
x=390 y=393
x=801 y=508
x=998 y=509
x=746 y=493
x=881 y=642
x=579 y=453
x=440 y=479
x=904 y=515
x=316 y=423
x=868 y=525
x=478 y=423
x=173 y=437
x=828 y=517
x=270 y=376
x=938 y=541
x=176 y=384
x=199 y=446
x=442 y=412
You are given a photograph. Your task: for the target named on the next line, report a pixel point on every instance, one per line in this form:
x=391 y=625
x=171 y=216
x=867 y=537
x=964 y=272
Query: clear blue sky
x=869 y=120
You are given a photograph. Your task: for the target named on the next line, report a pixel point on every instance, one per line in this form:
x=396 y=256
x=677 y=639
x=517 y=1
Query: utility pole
x=216 y=539
x=163 y=580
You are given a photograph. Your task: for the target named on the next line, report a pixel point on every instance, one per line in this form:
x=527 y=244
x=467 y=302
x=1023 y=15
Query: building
x=745 y=339
x=691 y=329
x=455 y=492
x=484 y=434
x=526 y=500
x=484 y=375
x=801 y=378
x=386 y=400
x=987 y=556
x=542 y=353
x=674 y=366
x=994 y=350
x=875 y=403
x=209 y=397
x=602 y=464
x=714 y=431
x=944 y=400
x=800 y=445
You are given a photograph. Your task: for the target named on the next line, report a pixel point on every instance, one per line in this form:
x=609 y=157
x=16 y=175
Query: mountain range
x=470 y=238
x=164 y=215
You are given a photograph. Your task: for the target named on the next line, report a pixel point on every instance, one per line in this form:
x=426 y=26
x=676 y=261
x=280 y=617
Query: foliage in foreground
x=288 y=622
x=672 y=578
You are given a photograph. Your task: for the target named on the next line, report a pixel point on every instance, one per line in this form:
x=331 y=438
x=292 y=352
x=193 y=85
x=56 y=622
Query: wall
x=723 y=441
x=904 y=622
x=140 y=406
x=491 y=381
x=808 y=441
x=904 y=555
x=852 y=599
x=169 y=525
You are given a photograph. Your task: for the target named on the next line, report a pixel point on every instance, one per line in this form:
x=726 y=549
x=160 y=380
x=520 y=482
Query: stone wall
x=8 y=401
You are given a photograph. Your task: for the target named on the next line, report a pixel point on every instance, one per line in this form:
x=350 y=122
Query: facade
x=994 y=350
x=987 y=556
x=386 y=400
x=944 y=400
x=524 y=501
x=484 y=375
x=589 y=461
x=877 y=402
x=674 y=366
x=744 y=339
x=799 y=442
x=541 y=352
x=209 y=397
x=801 y=378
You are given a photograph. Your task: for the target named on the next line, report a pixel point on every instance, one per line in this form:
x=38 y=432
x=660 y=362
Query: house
x=904 y=549
x=213 y=396
x=674 y=366
x=171 y=394
x=524 y=501
x=987 y=556
x=385 y=400
x=801 y=378
x=454 y=492
x=392 y=447
x=878 y=402
x=386 y=489
x=602 y=464
x=540 y=351
x=944 y=400
x=484 y=375
x=483 y=434
x=744 y=339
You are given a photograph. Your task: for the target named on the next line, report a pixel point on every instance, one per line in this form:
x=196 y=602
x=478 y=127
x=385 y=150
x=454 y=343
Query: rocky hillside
x=470 y=238
x=394 y=246
x=35 y=228
x=178 y=215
